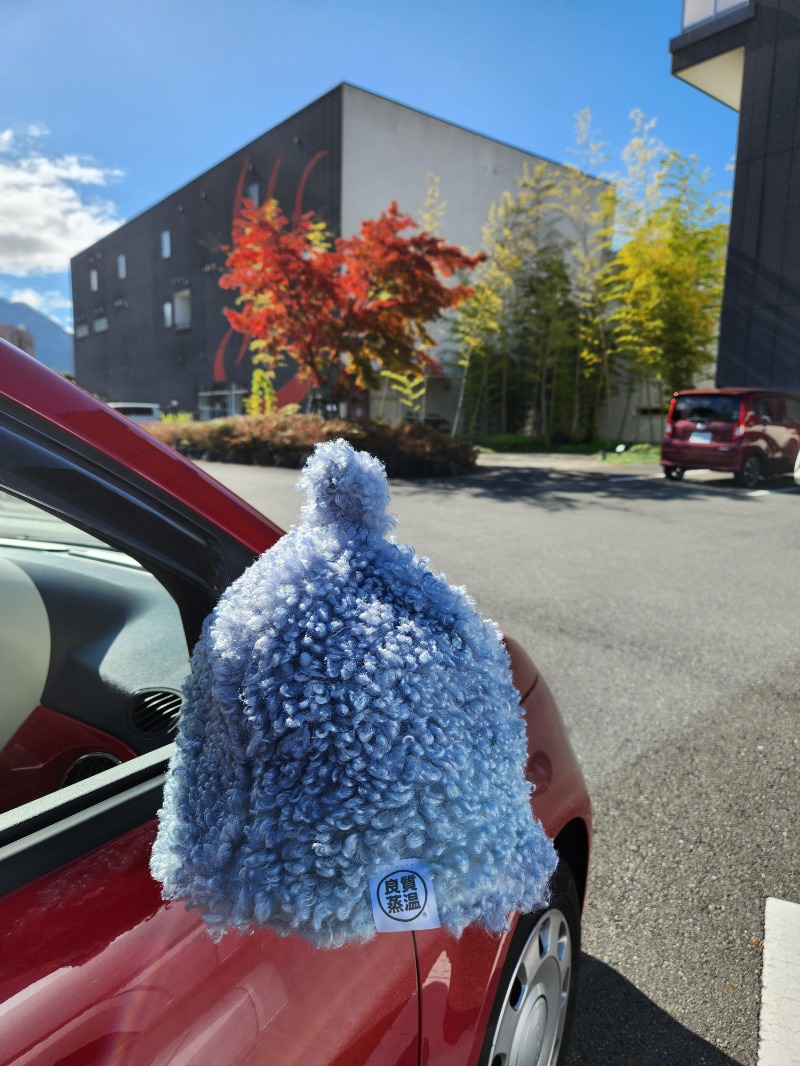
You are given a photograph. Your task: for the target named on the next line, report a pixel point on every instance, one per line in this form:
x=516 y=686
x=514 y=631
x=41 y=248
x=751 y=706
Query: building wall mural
x=149 y=312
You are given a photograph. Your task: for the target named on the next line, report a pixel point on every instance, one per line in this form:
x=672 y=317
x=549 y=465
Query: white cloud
x=49 y=303
x=47 y=212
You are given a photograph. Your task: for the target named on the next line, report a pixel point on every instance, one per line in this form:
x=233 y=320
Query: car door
x=771 y=433
x=793 y=430
x=782 y=436
x=94 y=966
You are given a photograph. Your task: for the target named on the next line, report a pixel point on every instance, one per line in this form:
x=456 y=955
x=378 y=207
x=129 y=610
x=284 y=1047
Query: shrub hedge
x=287 y=439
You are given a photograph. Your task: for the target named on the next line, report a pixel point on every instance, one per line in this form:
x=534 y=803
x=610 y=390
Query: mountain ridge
x=53 y=343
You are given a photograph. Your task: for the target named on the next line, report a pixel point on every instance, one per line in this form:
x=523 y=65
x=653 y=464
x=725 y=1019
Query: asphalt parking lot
x=664 y=616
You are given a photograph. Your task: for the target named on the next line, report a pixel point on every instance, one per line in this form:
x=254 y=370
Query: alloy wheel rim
x=531 y=1023
x=751 y=471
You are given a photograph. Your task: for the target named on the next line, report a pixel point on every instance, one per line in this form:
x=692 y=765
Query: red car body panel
x=97 y=425
x=95 y=969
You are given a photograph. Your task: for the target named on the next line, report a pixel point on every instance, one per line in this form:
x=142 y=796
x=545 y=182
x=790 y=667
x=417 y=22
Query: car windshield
x=710 y=408
x=28 y=526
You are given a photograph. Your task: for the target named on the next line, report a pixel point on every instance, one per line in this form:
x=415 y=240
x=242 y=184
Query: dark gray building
x=747 y=55
x=149 y=322
x=148 y=308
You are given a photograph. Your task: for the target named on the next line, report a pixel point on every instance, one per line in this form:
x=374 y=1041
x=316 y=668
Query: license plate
x=700 y=438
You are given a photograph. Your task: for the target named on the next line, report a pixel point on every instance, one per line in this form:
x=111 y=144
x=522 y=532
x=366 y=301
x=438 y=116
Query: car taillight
x=669 y=427
x=738 y=429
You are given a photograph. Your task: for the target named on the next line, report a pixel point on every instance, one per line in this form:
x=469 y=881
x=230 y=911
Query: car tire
x=750 y=473
x=532 y=1015
x=674 y=473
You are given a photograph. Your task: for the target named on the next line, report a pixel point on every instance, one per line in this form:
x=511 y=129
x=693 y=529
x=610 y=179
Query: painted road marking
x=779 y=1027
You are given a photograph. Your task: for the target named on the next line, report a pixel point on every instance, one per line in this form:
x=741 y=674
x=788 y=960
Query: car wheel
x=532 y=1015
x=750 y=473
x=674 y=473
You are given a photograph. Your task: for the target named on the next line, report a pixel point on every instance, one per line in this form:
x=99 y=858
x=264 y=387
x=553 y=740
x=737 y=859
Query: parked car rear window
x=698 y=408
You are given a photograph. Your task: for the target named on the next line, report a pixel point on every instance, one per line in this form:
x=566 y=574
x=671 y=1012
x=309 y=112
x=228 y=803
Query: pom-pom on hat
x=348 y=709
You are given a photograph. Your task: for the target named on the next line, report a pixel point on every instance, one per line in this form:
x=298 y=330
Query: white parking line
x=779 y=1028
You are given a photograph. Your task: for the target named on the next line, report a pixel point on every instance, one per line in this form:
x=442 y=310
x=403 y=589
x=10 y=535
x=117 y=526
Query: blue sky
x=107 y=106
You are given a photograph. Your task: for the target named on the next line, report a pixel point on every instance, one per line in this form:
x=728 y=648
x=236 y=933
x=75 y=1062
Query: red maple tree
x=345 y=309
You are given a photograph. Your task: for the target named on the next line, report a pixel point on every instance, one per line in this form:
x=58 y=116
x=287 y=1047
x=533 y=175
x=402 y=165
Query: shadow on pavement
x=558 y=489
x=616 y=1025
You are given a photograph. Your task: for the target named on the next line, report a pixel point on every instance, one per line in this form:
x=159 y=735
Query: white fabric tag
x=403 y=898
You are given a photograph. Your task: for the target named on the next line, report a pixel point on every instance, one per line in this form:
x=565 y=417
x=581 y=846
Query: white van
x=138 y=412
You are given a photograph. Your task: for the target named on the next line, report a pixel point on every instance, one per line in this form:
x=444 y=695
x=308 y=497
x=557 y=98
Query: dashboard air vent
x=89 y=765
x=154 y=712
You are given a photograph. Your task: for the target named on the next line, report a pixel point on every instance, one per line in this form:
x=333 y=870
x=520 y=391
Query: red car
x=750 y=433
x=113 y=549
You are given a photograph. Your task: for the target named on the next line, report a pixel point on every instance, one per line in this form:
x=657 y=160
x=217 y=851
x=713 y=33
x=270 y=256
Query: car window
x=706 y=408
x=777 y=409
x=768 y=409
x=92 y=654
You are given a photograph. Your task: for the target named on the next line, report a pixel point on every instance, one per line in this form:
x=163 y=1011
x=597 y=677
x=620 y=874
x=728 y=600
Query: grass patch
x=632 y=453
x=636 y=453
x=516 y=442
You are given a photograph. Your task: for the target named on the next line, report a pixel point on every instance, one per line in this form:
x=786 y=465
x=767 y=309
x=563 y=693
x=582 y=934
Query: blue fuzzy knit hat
x=347 y=709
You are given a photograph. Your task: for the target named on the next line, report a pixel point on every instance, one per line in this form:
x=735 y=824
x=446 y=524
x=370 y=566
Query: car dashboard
x=93 y=656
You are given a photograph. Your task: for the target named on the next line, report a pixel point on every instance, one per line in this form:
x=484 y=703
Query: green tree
x=517 y=333
x=411 y=388
x=262 y=399
x=476 y=331
x=587 y=205
x=589 y=282
x=665 y=285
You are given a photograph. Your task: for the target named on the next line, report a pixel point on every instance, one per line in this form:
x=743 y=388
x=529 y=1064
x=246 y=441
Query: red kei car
x=113 y=549
x=750 y=433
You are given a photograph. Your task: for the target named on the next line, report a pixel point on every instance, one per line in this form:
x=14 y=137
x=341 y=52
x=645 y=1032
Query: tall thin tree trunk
x=626 y=409
x=576 y=394
x=383 y=398
x=462 y=388
x=504 y=394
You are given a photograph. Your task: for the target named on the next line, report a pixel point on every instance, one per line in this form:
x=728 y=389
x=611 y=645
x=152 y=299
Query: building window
x=82 y=331
x=221 y=404
x=695 y=11
x=93 y=280
x=166 y=244
x=122 y=267
x=183 y=309
x=100 y=325
x=252 y=193
x=168 y=314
